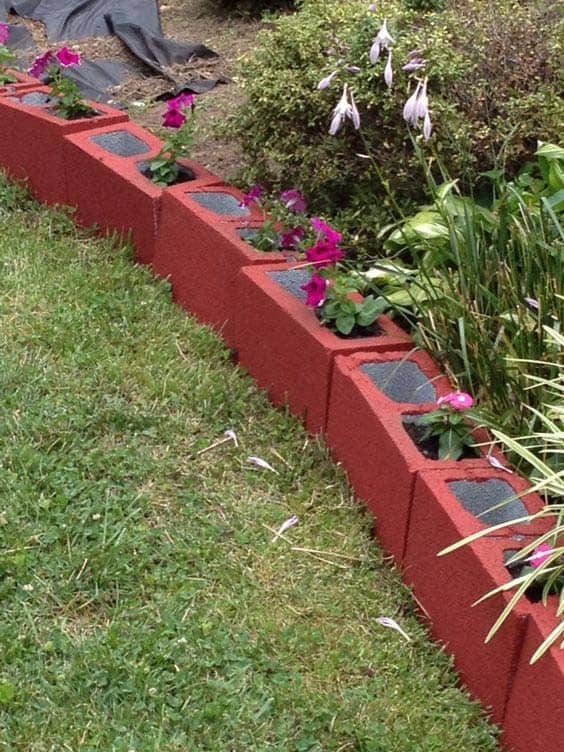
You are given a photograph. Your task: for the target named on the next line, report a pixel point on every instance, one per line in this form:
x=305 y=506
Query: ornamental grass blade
x=556 y=633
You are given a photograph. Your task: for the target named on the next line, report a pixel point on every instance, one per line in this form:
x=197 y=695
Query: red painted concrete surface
x=366 y=434
x=31 y=143
x=23 y=83
x=109 y=190
x=201 y=254
x=280 y=342
x=447 y=586
x=534 y=713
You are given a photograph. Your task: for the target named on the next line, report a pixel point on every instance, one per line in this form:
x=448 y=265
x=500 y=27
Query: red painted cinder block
x=533 y=719
x=447 y=586
x=366 y=435
x=108 y=189
x=281 y=342
x=201 y=253
x=31 y=142
x=23 y=82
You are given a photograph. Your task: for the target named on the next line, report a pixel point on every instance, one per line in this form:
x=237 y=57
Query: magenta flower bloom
x=4 y=33
x=324 y=253
x=41 y=63
x=174 y=119
x=292 y=238
x=315 y=289
x=326 y=231
x=457 y=400
x=294 y=200
x=181 y=101
x=67 y=57
x=541 y=554
x=252 y=195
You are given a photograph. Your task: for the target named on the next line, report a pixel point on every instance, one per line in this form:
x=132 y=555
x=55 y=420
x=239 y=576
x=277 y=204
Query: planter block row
x=201 y=249
x=280 y=342
x=361 y=393
x=23 y=82
x=32 y=138
x=108 y=188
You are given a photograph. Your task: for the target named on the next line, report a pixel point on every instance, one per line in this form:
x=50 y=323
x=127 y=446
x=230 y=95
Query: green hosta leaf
x=556 y=201
x=345 y=323
x=550 y=151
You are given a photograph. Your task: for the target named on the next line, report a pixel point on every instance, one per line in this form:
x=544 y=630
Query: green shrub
x=250 y=7
x=493 y=86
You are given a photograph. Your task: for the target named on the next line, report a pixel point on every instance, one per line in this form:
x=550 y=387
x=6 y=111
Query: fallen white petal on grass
x=494 y=462
x=263 y=464
x=386 y=621
x=290 y=522
x=230 y=434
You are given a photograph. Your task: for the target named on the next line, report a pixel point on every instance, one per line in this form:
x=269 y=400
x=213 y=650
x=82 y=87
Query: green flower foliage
x=494 y=83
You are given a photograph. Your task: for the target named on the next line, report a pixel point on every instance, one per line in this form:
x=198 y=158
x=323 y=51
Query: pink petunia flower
x=315 y=289
x=252 y=195
x=181 y=101
x=541 y=554
x=174 y=119
x=326 y=231
x=324 y=253
x=457 y=400
x=41 y=63
x=4 y=33
x=292 y=238
x=67 y=57
x=294 y=200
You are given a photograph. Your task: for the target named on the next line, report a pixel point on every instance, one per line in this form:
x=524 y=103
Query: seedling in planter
x=165 y=169
x=285 y=227
x=68 y=101
x=449 y=424
x=6 y=56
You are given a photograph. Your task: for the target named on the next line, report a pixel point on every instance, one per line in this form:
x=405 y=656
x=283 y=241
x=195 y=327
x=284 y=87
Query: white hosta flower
x=325 y=82
x=344 y=109
x=410 y=107
x=417 y=108
x=355 y=115
x=382 y=41
x=427 y=126
x=388 y=71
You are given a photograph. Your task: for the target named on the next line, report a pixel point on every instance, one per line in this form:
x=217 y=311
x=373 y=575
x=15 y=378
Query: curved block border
x=228 y=284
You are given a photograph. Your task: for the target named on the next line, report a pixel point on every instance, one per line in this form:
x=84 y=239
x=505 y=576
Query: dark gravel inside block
x=402 y=381
x=35 y=98
x=478 y=497
x=220 y=203
x=122 y=143
x=291 y=280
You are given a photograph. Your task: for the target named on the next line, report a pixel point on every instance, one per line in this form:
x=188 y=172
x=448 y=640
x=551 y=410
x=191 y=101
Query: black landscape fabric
x=135 y=22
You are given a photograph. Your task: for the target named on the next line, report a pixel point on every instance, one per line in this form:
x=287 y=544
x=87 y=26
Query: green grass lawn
x=143 y=603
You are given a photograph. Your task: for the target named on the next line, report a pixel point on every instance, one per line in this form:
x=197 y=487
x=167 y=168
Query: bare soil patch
x=184 y=21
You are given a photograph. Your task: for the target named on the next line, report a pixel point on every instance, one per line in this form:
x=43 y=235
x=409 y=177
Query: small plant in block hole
x=67 y=99
x=286 y=225
x=179 y=118
x=449 y=425
x=6 y=56
x=333 y=291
